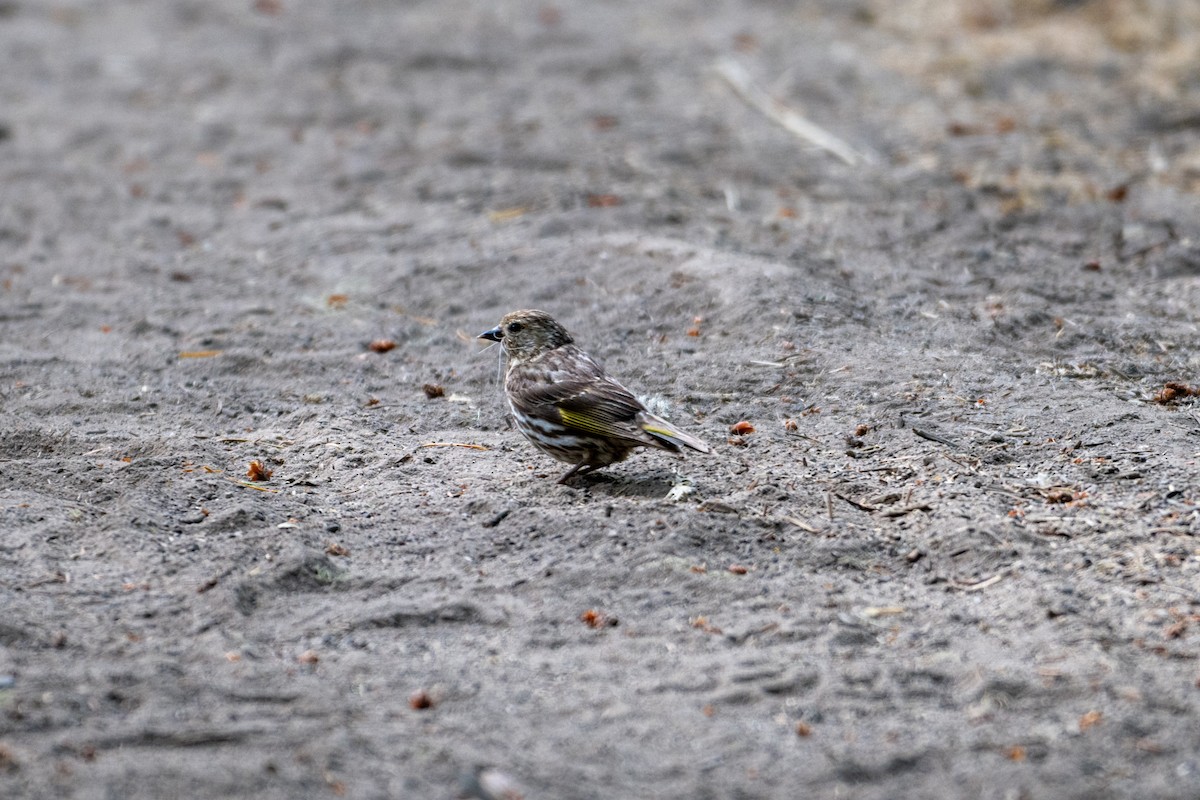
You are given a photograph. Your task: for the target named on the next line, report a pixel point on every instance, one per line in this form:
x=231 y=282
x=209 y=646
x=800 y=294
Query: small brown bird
x=567 y=406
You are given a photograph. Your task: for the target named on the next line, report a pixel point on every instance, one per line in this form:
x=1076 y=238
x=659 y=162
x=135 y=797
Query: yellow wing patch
x=584 y=423
x=670 y=434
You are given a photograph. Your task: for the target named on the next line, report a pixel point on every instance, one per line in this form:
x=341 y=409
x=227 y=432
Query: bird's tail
x=668 y=435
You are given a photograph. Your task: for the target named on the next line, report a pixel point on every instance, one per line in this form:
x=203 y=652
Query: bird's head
x=528 y=334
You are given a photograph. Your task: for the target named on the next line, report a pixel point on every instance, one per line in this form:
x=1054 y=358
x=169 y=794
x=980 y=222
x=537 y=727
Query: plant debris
x=597 y=619
x=420 y=700
x=258 y=472
x=1174 y=391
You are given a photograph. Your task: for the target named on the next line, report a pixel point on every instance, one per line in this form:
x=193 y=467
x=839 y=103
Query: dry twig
x=453 y=444
x=786 y=117
x=981 y=585
x=860 y=506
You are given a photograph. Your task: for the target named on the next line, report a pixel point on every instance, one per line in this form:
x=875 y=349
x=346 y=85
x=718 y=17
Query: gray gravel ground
x=956 y=557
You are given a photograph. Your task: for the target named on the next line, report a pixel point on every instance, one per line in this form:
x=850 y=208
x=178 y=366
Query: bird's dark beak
x=495 y=334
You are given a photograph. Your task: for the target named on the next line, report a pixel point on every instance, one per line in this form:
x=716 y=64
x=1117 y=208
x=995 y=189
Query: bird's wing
x=573 y=390
x=668 y=434
x=603 y=407
x=581 y=397
x=598 y=405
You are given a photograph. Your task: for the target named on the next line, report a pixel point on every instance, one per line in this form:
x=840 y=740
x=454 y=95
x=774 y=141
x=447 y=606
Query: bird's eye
x=515 y=327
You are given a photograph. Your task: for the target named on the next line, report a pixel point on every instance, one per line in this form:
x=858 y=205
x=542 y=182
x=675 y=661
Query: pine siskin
x=567 y=406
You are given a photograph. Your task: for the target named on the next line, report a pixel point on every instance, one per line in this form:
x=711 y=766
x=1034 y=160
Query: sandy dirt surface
x=957 y=556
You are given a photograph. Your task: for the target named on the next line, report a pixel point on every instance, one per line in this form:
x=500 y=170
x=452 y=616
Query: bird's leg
x=582 y=468
x=571 y=472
